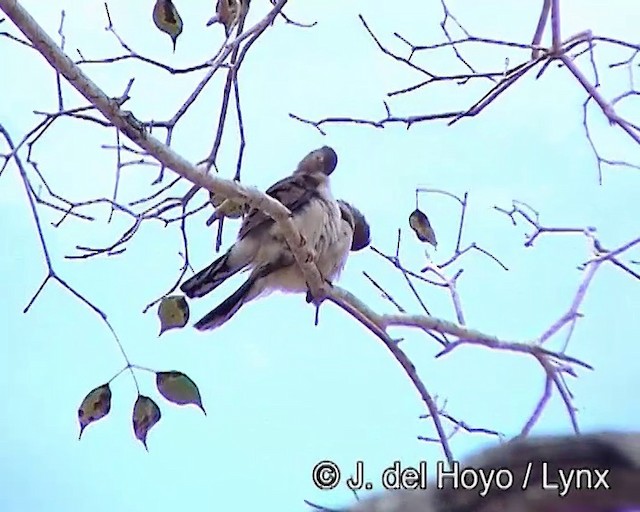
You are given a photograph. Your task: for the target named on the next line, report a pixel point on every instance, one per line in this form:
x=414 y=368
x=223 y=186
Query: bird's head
x=323 y=159
x=359 y=224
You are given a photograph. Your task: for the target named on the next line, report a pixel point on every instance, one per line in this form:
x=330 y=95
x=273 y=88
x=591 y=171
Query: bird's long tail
x=230 y=306
x=226 y=309
x=209 y=278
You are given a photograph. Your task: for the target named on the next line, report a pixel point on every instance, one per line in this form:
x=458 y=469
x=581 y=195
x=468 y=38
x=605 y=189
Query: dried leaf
x=229 y=12
x=230 y=208
x=94 y=406
x=145 y=415
x=178 y=388
x=215 y=199
x=422 y=228
x=167 y=19
x=225 y=208
x=173 y=313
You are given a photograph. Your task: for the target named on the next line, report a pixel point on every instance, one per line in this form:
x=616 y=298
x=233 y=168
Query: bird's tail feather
x=227 y=308
x=209 y=278
x=230 y=306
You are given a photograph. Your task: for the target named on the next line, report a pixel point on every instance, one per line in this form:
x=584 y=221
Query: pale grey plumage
x=337 y=237
x=350 y=234
x=261 y=246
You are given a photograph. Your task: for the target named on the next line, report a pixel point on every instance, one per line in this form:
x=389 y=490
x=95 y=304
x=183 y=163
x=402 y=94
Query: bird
x=334 y=246
x=167 y=19
x=261 y=246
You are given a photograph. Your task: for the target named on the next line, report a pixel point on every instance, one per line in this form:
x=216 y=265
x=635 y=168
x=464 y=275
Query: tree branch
x=127 y=124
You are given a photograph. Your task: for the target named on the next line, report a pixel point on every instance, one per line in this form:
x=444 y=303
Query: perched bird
x=167 y=19
x=261 y=247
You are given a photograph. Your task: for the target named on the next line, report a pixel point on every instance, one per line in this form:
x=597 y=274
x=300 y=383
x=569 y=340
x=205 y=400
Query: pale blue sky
x=280 y=393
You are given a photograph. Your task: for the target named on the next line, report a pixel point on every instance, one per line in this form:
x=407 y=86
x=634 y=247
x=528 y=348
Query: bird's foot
x=309 y=253
x=322 y=293
x=310 y=256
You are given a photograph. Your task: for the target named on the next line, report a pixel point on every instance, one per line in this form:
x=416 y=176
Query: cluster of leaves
x=174 y=386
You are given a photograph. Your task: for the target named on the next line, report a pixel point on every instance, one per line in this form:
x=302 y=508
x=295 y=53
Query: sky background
x=281 y=394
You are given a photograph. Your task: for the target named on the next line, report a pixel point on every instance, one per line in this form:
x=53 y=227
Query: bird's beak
x=212 y=20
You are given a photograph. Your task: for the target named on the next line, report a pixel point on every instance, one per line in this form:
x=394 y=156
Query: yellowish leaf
x=178 y=388
x=94 y=406
x=145 y=415
x=230 y=208
x=167 y=19
x=229 y=12
x=173 y=313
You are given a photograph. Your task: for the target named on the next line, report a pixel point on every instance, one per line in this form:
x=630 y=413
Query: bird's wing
x=294 y=192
